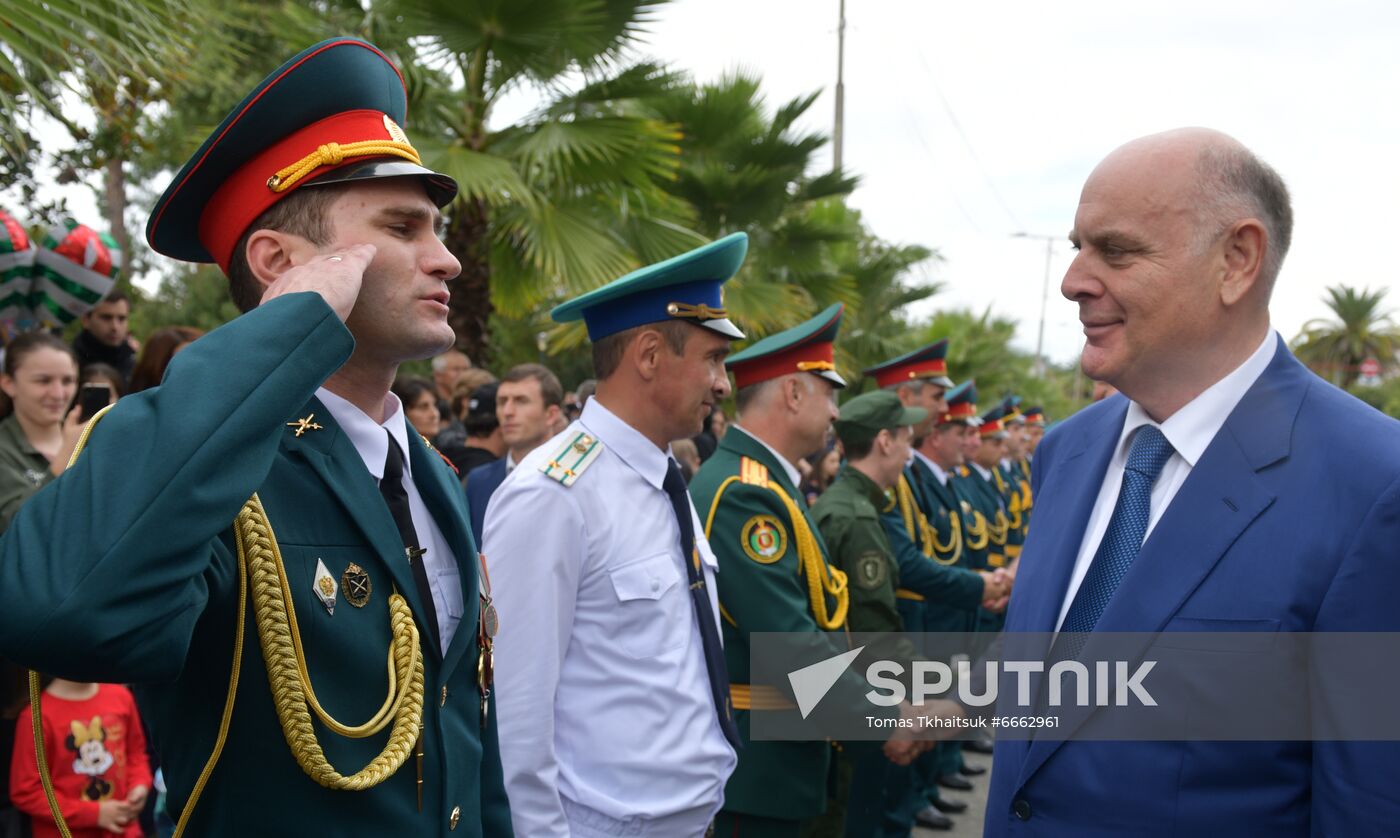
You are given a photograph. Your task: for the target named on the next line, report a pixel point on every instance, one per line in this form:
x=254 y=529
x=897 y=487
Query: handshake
x=996 y=590
x=908 y=742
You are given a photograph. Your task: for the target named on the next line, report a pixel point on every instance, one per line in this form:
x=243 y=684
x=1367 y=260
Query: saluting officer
x=759 y=527
x=616 y=717
x=353 y=548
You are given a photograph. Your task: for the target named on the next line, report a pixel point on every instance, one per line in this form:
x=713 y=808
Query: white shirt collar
x=986 y=475
x=1191 y=429
x=934 y=467
x=628 y=443
x=367 y=436
x=794 y=476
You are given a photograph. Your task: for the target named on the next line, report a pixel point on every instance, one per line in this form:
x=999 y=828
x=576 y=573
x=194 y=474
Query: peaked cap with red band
x=332 y=114
x=1035 y=416
x=962 y=405
x=992 y=426
x=926 y=364
x=808 y=347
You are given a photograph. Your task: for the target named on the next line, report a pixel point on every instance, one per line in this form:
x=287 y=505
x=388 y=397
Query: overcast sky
x=970 y=121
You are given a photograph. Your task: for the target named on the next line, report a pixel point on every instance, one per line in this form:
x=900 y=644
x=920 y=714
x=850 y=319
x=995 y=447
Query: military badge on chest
x=324 y=587
x=355 y=584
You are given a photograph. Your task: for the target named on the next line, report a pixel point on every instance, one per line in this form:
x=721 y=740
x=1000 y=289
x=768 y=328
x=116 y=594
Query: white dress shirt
x=373 y=446
x=606 y=718
x=1190 y=431
x=789 y=469
x=934 y=467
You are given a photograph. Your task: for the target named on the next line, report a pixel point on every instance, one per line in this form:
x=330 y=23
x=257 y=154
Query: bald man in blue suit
x=1226 y=489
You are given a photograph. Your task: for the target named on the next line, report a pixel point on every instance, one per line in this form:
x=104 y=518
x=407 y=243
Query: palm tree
x=568 y=197
x=1335 y=348
x=742 y=169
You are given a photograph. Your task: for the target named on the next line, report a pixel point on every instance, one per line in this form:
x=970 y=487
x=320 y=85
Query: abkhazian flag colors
x=16 y=269
x=76 y=267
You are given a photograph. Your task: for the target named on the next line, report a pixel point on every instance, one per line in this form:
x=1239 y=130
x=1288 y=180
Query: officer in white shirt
x=614 y=700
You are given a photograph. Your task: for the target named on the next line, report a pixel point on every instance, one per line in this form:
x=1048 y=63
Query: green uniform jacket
x=849 y=519
x=123 y=570
x=985 y=498
x=23 y=471
x=786 y=780
x=942 y=508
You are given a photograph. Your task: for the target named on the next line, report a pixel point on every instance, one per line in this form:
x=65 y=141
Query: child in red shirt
x=97 y=757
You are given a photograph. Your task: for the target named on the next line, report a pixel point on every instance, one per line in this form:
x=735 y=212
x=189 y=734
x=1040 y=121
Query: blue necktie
x=1126 y=531
x=674 y=486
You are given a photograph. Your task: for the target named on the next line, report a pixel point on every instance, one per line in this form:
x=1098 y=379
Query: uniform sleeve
x=26 y=789
x=766 y=593
x=535 y=534
x=103 y=572
x=939 y=584
x=870 y=572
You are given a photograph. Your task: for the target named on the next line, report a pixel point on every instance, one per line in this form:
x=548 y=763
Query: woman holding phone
x=40 y=377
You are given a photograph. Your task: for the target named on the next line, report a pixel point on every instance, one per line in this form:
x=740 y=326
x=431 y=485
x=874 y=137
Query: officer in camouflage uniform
x=768 y=549
x=875 y=430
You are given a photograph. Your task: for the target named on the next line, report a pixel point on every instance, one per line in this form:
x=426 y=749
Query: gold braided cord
x=904 y=495
x=996 y=530
x=1015 y=506
x=815 y=366
x=286 y=669
x=977 y=534
x=952 y=551
x=822 y=579
x=699 y=311
x=330 y=154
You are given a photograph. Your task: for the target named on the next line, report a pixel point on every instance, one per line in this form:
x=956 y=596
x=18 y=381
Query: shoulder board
x=433 y=448
x=753 y=472
x=571 y=460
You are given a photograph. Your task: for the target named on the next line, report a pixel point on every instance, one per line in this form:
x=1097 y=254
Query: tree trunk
x=114 y=197
x=470 y=308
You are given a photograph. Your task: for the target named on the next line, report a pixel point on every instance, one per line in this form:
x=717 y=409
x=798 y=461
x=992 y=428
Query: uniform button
x=444 y=696
x=1022 y=808
x=456 y=816
x=655 y=585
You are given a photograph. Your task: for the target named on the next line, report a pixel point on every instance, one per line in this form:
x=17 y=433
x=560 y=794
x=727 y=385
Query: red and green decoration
x=75 y=268
x=16 y=269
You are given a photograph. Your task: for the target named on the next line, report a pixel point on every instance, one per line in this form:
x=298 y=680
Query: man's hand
x=945 y=710
x=114 y=815
x=335 y=276
x=995 y=584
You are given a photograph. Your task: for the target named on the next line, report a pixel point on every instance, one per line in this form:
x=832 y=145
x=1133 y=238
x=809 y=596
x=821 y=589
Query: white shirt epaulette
x=572 y=459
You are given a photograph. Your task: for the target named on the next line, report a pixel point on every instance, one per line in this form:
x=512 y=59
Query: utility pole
x=1044 y=297
x=837 y=131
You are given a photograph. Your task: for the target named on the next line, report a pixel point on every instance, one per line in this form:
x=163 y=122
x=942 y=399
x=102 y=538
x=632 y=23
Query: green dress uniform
x=774 y=576
x=848 y=515
x=286 y=632
x=125 y=570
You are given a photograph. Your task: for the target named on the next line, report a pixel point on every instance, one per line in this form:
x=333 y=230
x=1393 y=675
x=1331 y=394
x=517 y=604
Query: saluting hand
x=336 y=276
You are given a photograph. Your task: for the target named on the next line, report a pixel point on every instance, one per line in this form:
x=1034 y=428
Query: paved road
x=969 y=823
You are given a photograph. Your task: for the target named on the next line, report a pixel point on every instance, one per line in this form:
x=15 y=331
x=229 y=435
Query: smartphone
x=92 y=398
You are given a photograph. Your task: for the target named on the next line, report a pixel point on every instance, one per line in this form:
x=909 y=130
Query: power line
x=967 y=144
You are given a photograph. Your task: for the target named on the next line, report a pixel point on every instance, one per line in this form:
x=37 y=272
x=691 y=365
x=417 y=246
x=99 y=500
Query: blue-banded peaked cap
x=688 y=287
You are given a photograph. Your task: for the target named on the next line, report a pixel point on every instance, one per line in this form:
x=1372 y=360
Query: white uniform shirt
x=373 y=446
x=1190 y=431
x=934 y=467
x=604 y=700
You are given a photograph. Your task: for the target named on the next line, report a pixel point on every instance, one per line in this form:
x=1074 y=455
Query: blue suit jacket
x=1290 y=521
x=482 y=482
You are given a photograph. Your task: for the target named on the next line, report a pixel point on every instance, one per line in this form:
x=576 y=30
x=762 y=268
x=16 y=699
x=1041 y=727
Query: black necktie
x=674 y=486
x=391 y=487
